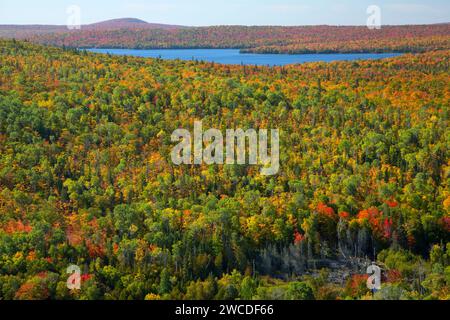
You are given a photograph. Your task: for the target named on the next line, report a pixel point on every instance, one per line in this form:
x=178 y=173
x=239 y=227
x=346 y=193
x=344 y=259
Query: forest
x=129 y=33
x=86 y=177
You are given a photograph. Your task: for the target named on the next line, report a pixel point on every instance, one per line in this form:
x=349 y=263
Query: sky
x=228 y=12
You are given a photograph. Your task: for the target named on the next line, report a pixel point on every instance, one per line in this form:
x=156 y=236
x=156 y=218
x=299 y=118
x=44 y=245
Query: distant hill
x=131 y=23
x=27 y=31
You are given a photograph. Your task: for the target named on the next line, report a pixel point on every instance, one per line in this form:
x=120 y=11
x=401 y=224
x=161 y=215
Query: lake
x=233 y=56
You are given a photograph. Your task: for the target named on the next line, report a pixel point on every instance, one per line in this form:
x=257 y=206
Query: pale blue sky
x=218 y=12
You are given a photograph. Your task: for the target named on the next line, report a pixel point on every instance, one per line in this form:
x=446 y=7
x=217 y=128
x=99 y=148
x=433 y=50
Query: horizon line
x=228 y=25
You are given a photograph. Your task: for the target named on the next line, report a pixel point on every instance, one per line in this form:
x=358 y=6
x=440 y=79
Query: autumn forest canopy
x=86 y=176
x=137 y=34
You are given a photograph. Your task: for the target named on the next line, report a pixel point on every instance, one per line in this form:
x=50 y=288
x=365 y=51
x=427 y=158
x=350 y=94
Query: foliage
x=86 y=177
x=256 y=39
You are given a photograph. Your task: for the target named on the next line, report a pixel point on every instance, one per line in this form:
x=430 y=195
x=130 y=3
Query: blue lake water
x=233 y=56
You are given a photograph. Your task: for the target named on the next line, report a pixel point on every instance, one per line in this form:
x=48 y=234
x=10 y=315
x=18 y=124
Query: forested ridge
x=86 y=178
x=257 y=39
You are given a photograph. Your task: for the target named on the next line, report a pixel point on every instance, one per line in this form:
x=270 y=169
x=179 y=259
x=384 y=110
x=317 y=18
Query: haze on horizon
x=228 y=12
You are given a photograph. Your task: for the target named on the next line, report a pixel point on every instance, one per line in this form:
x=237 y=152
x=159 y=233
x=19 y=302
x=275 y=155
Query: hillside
x=31 y=31
x=86 y=178
x=129 y=23
x=134 y=33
